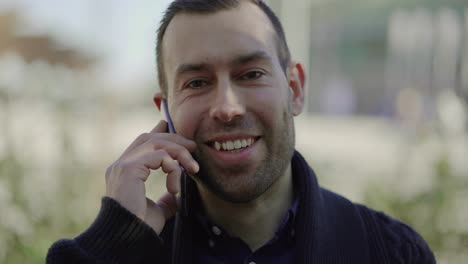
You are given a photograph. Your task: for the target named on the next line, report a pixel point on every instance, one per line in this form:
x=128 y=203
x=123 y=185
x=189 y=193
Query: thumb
x=158 y=213
x=169 y=204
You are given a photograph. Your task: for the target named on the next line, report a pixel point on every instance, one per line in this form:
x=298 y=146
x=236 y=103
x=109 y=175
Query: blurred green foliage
x=435 y=213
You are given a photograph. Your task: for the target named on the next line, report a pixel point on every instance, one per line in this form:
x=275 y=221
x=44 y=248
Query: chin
x=239 y=188
x=238 y=196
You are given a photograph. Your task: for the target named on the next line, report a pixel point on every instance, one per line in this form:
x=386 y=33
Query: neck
x=255 y=222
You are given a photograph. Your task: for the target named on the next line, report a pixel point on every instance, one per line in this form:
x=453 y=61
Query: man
x=232 y=92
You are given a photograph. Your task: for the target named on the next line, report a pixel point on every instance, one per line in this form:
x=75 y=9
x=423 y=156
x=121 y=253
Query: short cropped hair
x=208 y=7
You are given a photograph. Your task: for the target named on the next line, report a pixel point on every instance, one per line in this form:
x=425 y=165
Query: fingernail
x=196 y=167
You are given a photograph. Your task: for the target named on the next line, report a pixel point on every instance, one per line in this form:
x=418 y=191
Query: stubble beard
x=234 y=184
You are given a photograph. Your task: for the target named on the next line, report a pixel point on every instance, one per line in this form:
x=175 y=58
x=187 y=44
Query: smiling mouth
x=233 y=145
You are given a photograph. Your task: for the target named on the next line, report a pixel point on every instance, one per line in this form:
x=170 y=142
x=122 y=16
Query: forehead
x=217 y=37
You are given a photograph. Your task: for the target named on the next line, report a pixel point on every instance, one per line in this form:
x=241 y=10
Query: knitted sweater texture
x=329 y=229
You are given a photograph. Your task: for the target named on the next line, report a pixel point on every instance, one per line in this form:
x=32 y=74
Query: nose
x=227 y=104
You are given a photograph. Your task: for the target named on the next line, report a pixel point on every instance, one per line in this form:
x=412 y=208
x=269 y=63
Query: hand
x=125 y=178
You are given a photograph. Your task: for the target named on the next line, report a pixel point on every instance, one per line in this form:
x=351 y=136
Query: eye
x=196 y=84
x=252 y=75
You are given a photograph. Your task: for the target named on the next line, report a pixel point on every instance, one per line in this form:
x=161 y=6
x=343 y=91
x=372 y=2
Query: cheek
x=186 y=119
x=268 y=105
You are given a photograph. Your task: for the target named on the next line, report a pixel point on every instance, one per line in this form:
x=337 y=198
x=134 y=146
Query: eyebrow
x=188 y=67
x=240 y=60
x=254 y=56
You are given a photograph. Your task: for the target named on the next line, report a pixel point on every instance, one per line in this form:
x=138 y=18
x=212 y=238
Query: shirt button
x=293 y=233
x=211 y=243
x=216 y=230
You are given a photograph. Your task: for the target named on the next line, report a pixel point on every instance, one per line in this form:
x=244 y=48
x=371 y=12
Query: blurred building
x=362 y=56
x=32 y=48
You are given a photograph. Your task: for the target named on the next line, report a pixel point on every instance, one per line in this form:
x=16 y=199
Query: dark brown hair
x=212 y=6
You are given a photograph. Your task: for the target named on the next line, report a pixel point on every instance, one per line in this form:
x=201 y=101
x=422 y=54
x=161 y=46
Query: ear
x=296 y=79
x=157 y=98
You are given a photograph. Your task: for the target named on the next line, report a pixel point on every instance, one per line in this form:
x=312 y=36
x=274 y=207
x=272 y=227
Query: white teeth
x=233 y=145
x=230 y=145
x=244 y=143
x=217 y=145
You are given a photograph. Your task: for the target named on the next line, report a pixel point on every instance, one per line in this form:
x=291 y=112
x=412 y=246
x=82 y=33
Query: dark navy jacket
x=329 y=229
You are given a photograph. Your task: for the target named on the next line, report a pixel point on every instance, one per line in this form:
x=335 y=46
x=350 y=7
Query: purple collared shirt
x=214 y=245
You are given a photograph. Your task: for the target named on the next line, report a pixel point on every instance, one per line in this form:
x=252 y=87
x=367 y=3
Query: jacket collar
x=329 y=229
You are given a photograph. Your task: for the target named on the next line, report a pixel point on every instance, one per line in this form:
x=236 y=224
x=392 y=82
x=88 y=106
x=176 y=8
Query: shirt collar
x=215 y=232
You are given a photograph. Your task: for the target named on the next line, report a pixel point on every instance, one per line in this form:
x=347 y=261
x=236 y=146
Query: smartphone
x=181 y=219
x=184 y=177
x=168 y=117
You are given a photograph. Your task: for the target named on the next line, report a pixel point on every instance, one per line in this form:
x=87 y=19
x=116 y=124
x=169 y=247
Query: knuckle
x=112 y=169
x=178 y=150
x=174 y=137
x=124 y=167
x=108 y=171
x=168 y=166
x=156 y=143
x=129 y=170
x=120 y=168
x=177 y=139
x=143 y=137
x=161 y=153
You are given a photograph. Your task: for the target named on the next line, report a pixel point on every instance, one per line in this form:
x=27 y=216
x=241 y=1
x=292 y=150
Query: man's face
x=228 y=92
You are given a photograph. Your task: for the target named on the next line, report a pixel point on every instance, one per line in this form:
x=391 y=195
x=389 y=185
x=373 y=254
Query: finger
x=173 y=181
x=158 y=139
x=161 y=127
x=177 y=152
x=156 y=215
x=154 y=160
x=138 y=141
x=150 y=161
x=168 y=203
x=156 y=136
x=174 y=172
x=174 y=138
x=181 y=155
x=160 y=159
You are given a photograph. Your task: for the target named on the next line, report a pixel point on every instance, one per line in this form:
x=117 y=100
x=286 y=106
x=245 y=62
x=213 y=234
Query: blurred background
x=385 y=123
